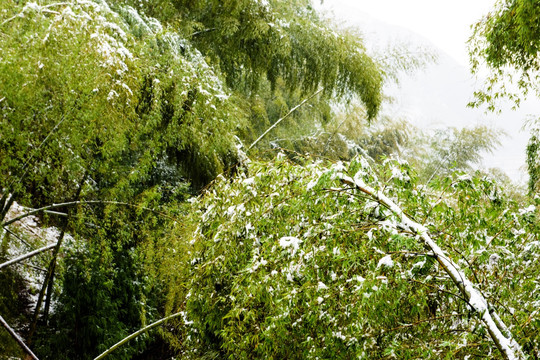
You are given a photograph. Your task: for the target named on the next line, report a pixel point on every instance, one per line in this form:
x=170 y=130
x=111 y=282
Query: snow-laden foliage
x=286 y=261
x=113 y=82
x=100 y=103
x=123 y=116
x=253 y=41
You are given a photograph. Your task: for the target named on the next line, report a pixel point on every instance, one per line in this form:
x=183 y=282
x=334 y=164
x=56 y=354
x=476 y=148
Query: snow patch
x=386 y=262
x=290 y=242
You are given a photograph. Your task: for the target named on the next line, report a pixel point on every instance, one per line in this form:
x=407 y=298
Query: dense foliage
x=255 y=40
x=126 y=122
x=288 y=262
x=97 y=116
x=120 y=114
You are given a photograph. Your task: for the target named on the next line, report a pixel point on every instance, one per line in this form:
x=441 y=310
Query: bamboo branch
x=284 y=117
x=41 y=9
x=71 y=203
x=498 y=331
x=441 y=290
x=135 y=334
x=202 y=32
x=27 y=255
x=19 y=238
x=435 y=318
x=17 y=338
x=6 y=205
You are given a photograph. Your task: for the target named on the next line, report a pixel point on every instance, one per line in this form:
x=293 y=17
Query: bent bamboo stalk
x=498 y=331
x=135 y=334
x=18 y=339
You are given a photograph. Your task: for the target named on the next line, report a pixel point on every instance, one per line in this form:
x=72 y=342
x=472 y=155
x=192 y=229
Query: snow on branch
x=498 y=331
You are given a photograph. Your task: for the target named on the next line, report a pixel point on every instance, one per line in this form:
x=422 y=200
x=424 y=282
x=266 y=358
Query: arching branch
x=135 y=334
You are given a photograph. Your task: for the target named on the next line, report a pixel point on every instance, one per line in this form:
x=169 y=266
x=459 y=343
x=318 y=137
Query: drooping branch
x=18 y=339
x=42 y=9
x=135 y=334
x=498 y=331
x=284 y=117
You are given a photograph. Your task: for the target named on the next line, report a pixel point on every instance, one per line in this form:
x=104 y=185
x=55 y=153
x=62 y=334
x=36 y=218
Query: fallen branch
x=498 y=331
x=135 y=334
x=17 y=338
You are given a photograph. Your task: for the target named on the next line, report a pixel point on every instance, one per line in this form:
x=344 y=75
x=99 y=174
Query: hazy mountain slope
x=437 y=97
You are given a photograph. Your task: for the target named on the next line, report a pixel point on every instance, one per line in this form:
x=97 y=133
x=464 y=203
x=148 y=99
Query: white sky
x=445 y=23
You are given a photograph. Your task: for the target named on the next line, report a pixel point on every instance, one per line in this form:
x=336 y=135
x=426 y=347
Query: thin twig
x=442 y=290
x=493 y=238
x=423 y=321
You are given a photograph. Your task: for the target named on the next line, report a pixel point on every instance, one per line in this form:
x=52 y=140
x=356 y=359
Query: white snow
x=321 y=286
x=290 y=242
x=386 y=262
x=31 y=6
x=527 y=210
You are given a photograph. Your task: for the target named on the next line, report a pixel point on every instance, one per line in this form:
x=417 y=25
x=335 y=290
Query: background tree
x=446 y=151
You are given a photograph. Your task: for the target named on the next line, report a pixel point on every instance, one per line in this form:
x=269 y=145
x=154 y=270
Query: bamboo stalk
x=498 y=331
x=48 y=279
x=27 y=255
x=134 y=335
x=18 y=339
x=284 y=117
x=71 y=203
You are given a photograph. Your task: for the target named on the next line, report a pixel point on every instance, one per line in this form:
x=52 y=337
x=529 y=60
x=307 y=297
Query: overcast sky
x=432 y=98
x=445 y=23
